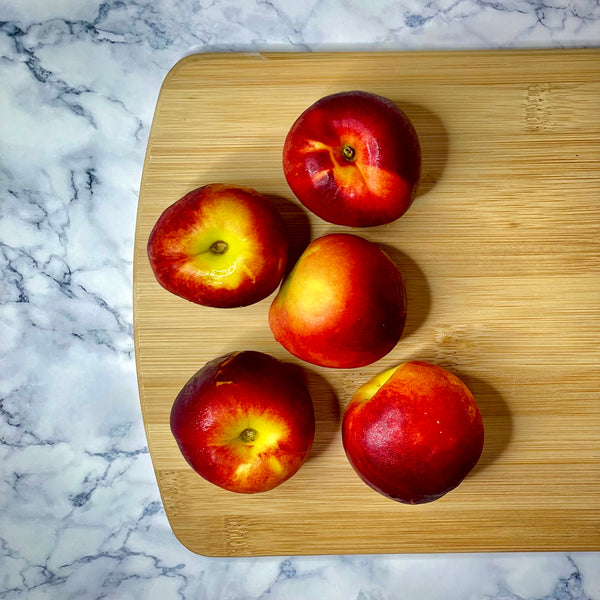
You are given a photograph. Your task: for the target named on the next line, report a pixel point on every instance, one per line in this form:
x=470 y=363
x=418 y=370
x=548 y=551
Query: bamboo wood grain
x=500 y=255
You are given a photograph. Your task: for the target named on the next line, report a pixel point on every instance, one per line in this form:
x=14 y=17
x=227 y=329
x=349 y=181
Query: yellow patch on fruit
x=267 y=430
x=349 y=176
x=312 y=145
x=307 y=293
x=242 y=471
x=249 y=274
x=366 y=391
x=354 y=173
x=221 y=253
x=314 y=297
x=275 y=465
x=380 y=181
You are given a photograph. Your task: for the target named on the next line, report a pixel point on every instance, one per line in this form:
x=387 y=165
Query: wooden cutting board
x=500 y=254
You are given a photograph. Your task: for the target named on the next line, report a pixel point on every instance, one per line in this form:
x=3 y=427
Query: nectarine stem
x=348 y=152
x=248 y=435
x=219 y=247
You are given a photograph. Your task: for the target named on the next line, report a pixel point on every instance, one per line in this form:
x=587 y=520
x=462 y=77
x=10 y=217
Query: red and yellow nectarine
x=220 y=245
x=244 y=422
x=342 y=305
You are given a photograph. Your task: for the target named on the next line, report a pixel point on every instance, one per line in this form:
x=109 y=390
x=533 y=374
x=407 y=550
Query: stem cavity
x=219 y=247
x=348 y=153
x=248 y=435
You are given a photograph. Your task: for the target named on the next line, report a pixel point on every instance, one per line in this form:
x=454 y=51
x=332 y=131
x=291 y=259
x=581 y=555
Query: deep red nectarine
x=413 y=433
x=353 y=158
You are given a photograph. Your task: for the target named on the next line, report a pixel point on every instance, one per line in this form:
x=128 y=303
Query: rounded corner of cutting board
x=176 y=67
x=190 y=544
x=196 y=57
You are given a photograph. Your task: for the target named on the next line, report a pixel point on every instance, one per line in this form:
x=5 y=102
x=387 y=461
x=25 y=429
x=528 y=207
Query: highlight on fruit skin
x=220 y=245
x=353 y=158
x=245 y=421
x=413 y=433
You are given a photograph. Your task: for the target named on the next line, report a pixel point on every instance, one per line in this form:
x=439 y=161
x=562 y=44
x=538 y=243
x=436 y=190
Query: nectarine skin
x=343 y=305
x=413 y=433
x=353 y=158
x=244 y=422
x=220 y=245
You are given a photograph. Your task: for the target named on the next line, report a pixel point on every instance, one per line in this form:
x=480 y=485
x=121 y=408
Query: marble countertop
x=80 y=512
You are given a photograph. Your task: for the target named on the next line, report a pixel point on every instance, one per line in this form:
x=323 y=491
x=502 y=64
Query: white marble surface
x=80 y=513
